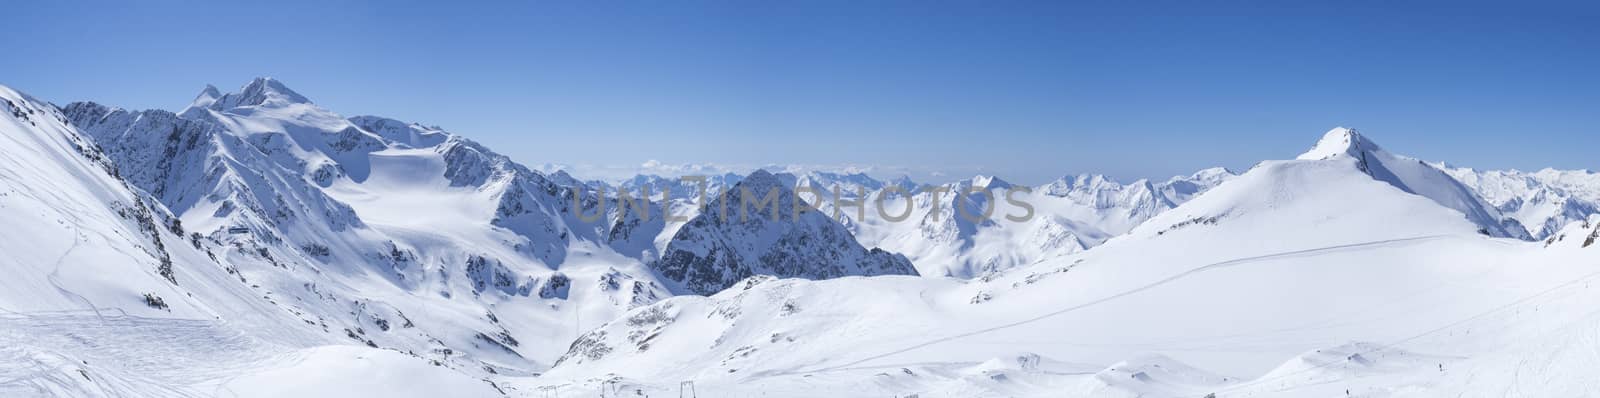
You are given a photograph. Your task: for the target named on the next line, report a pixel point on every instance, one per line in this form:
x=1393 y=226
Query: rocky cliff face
x=761 y=227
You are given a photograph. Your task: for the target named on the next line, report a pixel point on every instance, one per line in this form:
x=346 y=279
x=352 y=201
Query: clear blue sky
x=1029 y=91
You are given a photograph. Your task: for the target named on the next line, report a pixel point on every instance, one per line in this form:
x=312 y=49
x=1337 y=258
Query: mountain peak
x=1339 y=141
x=762 y=176
x=560 y=177
x=261 y=91
x=1414 y=177
x=739 y=235
x=991 y=182
x=272 y=87
x=210 y=93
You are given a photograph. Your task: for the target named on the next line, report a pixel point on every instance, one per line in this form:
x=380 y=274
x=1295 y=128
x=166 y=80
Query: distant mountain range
x=256 y=228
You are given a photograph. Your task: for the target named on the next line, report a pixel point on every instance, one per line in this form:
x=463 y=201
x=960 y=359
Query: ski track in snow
x=1158 y=283
x=77 y=239
x=1514 y=304
x=158 y=351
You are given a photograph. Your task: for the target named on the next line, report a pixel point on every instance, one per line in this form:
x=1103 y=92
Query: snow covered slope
x=386 y=233
x=256 y=243
x=403 y=218
x=78 y=236
x=106 y=295
x=1254 y=288
x=1581 y=234
x=1414 y=176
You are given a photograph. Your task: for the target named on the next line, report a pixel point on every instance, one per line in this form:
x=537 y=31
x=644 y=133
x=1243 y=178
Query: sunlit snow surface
x=1348 y=271
x=1305 y=277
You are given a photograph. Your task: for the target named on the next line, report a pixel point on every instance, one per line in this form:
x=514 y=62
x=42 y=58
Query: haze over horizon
x=1025 y=93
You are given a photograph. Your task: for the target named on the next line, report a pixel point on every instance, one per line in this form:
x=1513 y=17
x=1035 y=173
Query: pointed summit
x=1414 y=177
x=761 y=181
x=201 y=102
x=206 y=97
x=560 y=177
x=904 y=181
x=761 y=175
x=990 y=182
x=261 y=91
x=1340 y=141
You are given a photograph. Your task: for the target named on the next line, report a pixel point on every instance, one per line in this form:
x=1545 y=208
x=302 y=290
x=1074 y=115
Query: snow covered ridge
x=255 y=243
x=1347 y=272
x=941 y=236
x=1543 y=201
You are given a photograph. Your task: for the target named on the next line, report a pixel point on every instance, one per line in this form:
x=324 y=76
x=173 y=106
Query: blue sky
x=1028 y=91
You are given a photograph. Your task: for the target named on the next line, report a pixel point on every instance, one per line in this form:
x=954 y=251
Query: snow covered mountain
x=1580 y=234
x=258 y=244
x=401 y=217
x=940 y=231
x=941 y=228
x=384 y=220
x=760 y=227
x=1416 y=177
x=1304 y=277
x=1543 y=201
x=108 y=294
